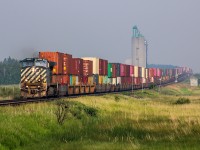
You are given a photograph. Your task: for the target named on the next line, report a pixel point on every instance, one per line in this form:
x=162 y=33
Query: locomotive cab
x=35 y=77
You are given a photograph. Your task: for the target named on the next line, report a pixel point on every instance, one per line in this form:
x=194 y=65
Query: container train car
x=59 y=74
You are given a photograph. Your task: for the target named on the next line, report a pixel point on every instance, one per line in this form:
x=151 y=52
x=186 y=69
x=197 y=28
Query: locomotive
x=40 y=77
x=35 y=78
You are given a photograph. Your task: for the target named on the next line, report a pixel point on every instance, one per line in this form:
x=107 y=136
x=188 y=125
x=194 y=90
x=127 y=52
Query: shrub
x=90 y=111
x=182 y=100
x=61 y=111
x=76 y=109
x=152 y=86
x=117 y=98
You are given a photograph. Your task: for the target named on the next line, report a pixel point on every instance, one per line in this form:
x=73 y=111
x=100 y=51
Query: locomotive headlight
x=26 y=80
x=27 y=86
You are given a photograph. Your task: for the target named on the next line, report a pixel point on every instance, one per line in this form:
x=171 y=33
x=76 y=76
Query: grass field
x=143 y=120
x=8 y=92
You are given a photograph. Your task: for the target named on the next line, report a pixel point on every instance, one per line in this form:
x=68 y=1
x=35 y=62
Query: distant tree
x=9 y=71
x=161 y=66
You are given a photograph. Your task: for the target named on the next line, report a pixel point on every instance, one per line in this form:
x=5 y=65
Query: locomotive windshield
x=41 y=63
x=27 y=63
x=34 y=62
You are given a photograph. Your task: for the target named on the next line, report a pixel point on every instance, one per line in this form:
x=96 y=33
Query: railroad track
x=37 y=100
x=24 y=101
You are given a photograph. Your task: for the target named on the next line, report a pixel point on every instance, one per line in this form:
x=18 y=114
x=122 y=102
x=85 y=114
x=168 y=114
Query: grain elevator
x=139 y=49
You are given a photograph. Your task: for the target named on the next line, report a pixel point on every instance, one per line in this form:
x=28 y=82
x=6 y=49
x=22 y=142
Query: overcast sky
x=102 y=28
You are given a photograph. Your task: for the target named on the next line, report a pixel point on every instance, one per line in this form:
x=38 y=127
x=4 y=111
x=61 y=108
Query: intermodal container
x=57 y=79
x=67 y=61
x=77 y=66
x=117 y=66
x=136 y=73
x=114 y=71
x=146 y=73
x=66 y=79
x=85 y=80
x=100 y=79
x=136 y=80
x=95 y=63
x=105 y=79
x=159 y=72
x=173 y=72
x=101 y=63
x=164 y=72
x=119 y=80
x=131 y=71
x=152 y=79
x=140 y=72
x=74 y=80
x=143 y=72
x=154 y=72
x=122 y=70
x=127 y=70
x=96 y=79
x=151 y=72
x=105 y=68
x=60 y=79
x=114 y=81
x=54 y=57
x=87 y=67
x=90 y=80
x=143 y=80
x=110 y=70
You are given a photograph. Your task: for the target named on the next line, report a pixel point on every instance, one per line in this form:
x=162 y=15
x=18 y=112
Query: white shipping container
x=147 y=73
x=95 y=61
x=119 y=80
x=143 y=80
x=114 y=81
x=143 y=72
x=136 y=71
x=77 y=82
x=152 y=79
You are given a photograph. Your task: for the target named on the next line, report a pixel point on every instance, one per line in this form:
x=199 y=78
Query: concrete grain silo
x=139 y=49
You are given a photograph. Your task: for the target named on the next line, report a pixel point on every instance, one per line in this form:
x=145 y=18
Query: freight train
x=59 y=74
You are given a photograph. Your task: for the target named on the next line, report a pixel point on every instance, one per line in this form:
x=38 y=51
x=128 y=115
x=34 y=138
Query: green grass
x=9 y=92
x=143 y=120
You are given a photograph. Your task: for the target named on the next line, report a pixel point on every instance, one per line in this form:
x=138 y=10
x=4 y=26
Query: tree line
x=9 y=71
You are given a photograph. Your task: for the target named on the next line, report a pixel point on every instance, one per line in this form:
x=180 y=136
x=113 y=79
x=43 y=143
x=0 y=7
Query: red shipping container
x=159 y=72
x=66 y=79
x=85 y=79
x=54 y=57
x=60 y=79
x=122 y=70
x=151 y=72
x=105 y=67
x=77 y=66
x=154 y=72
x=137 y=81
x=67 y=61
x=127 y=70
x=87 y=67
x=131 y=71
x=80 y=79
x=101 y=67
x=114 y=71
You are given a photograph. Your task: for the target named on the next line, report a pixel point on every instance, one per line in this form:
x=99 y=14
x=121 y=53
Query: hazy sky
x=102 y=28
